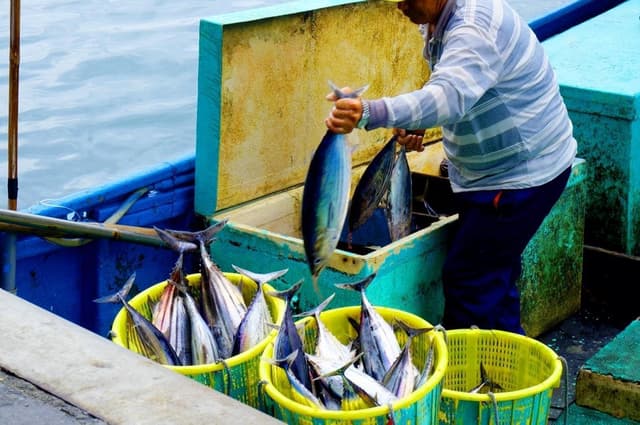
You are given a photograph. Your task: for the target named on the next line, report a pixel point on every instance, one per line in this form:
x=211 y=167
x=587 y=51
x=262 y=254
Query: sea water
x=108 y=88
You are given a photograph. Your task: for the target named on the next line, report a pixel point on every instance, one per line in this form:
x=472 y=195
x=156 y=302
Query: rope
x=494 y=404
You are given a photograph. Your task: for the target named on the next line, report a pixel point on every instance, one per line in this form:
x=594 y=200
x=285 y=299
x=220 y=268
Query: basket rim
x=236 y=360
x=552 y=381
x=434 y=380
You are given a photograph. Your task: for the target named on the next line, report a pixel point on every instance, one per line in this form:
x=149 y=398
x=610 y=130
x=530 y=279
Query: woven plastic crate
x=418 y=408
x=238 y=376
x=526 y=369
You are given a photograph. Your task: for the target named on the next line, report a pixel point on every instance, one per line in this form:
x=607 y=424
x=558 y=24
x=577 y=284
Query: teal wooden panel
x=597 y=65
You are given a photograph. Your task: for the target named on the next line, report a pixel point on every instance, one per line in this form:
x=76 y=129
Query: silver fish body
x=153 y=343
x=327 y=345
x=256 y=323
x=222 y=304
x=400 y=198
x=377 y=338
x=204 y=347
x=372 y=186
x=288 y=339
x=325 y=200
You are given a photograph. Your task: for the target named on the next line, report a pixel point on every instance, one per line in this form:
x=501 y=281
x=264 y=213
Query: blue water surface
x=108 y=88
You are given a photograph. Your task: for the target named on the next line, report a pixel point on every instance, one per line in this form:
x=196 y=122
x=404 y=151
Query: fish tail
x=287 y=294
x=318 y=309
x=260 y=277
x=359 y=286
x=119 y=296
x=174 y=242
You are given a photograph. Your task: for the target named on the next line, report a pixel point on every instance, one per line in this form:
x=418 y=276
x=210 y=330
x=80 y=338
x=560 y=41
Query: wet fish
x=287 y=363
x=288 y=339
x=327 y=345
x=400 y=198
x=170 y=315
x=204 y=347
x=362 y=384
x=377 y=339
x=325 y=196
x=485 y=382
x=154 y=344
x=401 y=377
x=372 y=186
x=256 y=323
x=221 y=303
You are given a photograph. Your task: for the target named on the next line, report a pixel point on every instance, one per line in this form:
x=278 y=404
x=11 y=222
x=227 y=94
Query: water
x=108 y=88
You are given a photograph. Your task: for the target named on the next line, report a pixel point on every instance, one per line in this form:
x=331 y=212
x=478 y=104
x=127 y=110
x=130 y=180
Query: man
x=507 y=137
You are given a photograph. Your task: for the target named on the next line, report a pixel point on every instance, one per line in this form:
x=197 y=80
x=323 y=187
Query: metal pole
x=9 y=251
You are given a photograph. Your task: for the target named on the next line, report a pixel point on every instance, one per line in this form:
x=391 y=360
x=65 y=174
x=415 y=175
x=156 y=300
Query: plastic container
x=418 y=408
x=526 y=369
x=238 y=376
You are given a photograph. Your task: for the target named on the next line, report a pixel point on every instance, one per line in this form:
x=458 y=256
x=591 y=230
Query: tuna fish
x=256 y=324
x=372 y=186
x=153 y=343
x=377 y=339
x=401 y=377
x=325 y=197
x=400 y=198
x=288 y=340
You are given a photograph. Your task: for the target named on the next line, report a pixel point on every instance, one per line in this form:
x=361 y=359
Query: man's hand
x=345 y=114
x=411 y=139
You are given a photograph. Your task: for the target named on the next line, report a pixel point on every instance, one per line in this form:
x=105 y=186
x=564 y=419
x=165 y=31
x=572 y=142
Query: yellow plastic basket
x=526 y=369
x=238 y=376
x=418 y=408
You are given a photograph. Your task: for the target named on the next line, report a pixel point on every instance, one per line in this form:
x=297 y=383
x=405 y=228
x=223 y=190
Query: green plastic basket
x=418 y=408
x=238 y=376
x=525 y=368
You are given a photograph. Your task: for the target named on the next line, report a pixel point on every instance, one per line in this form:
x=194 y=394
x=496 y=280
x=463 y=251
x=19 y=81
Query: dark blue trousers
x=484 y=261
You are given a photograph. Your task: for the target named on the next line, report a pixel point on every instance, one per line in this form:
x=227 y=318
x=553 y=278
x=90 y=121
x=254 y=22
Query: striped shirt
x=495 y=95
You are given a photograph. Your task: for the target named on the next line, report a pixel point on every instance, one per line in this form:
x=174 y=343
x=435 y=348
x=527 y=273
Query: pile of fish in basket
x=351 y=365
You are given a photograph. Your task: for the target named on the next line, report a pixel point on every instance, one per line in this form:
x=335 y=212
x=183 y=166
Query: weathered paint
x=264 y=235
x=262 y=83
x=261 y=106
x=551 y=280
x=610 y=380
x=597 y=66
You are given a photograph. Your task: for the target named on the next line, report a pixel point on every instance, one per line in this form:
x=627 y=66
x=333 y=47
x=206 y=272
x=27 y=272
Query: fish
x=287 y=364
x=325 y=197
x=401 y=377
x=256 y=323
x=399 y=207
x=153 y=343
x=204 y=346
x=170 y=316
x=327 y=345
x=361 y=383
x=376 y=336
x=485 y=382
x=288 y=339
x=372 y=186
x=221 y=302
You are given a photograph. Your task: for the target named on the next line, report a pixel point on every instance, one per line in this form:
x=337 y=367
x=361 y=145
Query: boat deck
x=577 y=339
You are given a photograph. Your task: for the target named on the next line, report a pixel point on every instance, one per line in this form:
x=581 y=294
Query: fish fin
x=175 y=243
x=340 y=94
x=317 y=309
x=359 y=286
x=260 y=277
x=121 y=295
